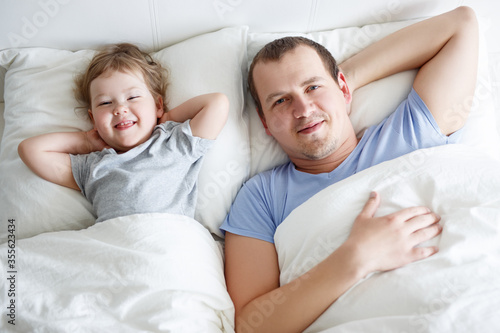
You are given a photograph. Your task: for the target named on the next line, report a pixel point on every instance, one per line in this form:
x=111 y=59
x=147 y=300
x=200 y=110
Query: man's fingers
x=419 y=253
x=410 y=213
x=371 y=205
x=427 y=233
x=422 y=221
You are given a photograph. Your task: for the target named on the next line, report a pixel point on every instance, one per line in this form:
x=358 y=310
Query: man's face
x=305 y=110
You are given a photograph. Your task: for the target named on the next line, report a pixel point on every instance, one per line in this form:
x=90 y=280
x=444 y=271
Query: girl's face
x=123 y=109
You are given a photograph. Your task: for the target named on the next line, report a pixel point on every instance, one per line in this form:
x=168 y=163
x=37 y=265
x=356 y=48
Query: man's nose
x=302 y=106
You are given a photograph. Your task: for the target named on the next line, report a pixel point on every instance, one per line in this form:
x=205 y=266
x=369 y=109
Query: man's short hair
x=276 y=49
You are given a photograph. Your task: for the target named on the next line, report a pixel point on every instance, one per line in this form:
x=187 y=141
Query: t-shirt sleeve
x=179 y=135
x=80 y=168
x=409 y=128
x=415 y=122
x=250 y=215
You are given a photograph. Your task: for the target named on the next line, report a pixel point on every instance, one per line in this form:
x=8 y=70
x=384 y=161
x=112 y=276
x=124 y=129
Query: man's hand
x=391 y=241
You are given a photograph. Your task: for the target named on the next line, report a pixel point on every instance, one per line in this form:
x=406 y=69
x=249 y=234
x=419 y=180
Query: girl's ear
x=159 y=107
x=91 y=116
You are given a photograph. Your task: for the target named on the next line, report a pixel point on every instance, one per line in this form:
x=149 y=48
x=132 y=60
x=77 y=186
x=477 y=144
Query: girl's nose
x=120 y=109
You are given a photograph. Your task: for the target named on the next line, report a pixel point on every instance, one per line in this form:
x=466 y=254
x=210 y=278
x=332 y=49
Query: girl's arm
x=47 y=155
x=208 y=114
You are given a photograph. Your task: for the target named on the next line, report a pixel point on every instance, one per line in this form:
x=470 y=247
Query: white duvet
x=456 y=290
x=140 y=273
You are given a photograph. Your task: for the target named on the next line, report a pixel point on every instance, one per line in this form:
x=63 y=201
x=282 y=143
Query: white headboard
x=154 y=24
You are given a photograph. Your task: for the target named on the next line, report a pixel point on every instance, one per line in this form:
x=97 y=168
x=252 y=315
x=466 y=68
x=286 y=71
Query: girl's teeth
x=124 y=123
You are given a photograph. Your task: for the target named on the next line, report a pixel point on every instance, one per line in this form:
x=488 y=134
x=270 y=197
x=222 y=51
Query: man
x=303 y=101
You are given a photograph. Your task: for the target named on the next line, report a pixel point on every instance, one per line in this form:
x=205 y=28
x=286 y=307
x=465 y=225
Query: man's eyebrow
x=312 y=80
x=307 y=82
x=273 y=96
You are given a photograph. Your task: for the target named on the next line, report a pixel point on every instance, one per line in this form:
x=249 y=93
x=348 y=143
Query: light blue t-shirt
x=266 y=199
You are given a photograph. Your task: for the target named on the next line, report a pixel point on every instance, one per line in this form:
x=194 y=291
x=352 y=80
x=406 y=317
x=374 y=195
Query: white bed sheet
x=456 y=290
x=48 y=247
x=139 y=273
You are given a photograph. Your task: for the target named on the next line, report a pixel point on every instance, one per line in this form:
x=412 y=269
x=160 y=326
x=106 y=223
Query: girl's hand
x=208 y=114
x=164 y=118
x=94 y=141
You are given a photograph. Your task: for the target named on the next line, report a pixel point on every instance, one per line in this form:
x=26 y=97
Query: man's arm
x=375 y=244
x=208 y=114
x=445 y=48
x=47 y=155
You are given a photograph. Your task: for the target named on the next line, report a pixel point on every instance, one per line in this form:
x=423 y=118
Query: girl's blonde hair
x=123 y=57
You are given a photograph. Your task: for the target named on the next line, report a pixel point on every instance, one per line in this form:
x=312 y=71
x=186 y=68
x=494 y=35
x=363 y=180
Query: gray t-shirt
x=159 y=175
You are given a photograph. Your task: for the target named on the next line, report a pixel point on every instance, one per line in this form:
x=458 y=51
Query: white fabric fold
x=456 y=290
x=138 y=273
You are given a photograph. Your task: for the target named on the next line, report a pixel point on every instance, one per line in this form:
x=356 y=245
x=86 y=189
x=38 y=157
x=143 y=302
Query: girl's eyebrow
x=124 y=91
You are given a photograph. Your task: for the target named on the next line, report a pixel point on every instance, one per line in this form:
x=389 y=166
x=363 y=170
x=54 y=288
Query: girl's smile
x=123 y=109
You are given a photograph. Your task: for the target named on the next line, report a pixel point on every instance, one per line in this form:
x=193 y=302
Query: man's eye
x=279 y=101
x=312 y=88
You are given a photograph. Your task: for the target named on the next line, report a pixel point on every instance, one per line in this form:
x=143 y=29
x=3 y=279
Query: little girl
x=139 y=157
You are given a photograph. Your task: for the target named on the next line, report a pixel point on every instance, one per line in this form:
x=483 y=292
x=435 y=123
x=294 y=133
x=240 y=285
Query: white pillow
x=377 y=100
x=215 y=63
x=39 y=99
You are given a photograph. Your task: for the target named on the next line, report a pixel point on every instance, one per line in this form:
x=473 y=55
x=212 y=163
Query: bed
x=61 y=272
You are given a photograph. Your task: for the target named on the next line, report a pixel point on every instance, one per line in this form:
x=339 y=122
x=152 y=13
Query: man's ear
x=345 y=89
x=263 y=120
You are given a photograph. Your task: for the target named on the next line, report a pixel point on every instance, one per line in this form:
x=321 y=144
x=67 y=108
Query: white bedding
x=456 y=290
x=149 y=272
x=135 y=274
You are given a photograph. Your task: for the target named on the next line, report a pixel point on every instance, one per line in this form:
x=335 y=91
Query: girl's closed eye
x=104 y=103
